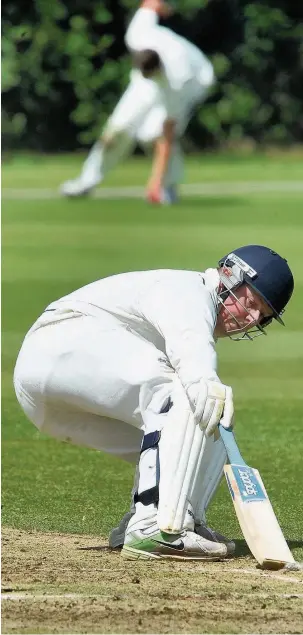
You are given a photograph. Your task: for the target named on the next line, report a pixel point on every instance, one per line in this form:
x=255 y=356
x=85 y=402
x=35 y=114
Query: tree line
x=65 y=65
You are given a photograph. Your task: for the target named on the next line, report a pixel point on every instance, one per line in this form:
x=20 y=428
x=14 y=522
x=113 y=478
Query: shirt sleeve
x=173 y=55
x=143 y=21
x=183 y=312
x=144 y=32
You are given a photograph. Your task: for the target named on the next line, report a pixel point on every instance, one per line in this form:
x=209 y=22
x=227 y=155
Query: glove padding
x=213 y=405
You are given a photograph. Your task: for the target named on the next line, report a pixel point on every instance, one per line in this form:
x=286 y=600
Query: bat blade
x=256 y=517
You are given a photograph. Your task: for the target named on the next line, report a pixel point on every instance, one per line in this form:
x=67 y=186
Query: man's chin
x=224 y=331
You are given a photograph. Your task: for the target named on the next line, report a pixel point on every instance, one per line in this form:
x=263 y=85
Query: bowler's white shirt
x=183 y=62
x=175 y=310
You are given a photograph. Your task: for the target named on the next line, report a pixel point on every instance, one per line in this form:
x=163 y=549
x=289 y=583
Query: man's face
x=241 y=312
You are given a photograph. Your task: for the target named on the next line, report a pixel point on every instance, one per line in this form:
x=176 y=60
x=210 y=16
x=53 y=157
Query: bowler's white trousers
x=140 y=115
x=141 y=110
x=79 y=379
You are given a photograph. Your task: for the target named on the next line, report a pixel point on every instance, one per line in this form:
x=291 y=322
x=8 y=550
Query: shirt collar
x=212 y=282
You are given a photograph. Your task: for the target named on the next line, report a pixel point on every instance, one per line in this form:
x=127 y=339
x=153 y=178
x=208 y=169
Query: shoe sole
x=134 y=554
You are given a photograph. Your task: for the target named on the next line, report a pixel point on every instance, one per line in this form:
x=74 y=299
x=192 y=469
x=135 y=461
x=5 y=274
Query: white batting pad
x=181 y=450
x=185 y=465
x=210 y=475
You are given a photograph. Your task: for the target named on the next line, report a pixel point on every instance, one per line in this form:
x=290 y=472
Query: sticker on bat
x=248 y=484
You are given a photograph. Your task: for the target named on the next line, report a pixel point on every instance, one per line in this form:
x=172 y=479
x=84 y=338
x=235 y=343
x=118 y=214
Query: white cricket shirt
x=183 y=63
x=176 y=310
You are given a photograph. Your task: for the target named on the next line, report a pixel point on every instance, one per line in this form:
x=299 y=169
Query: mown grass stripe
x=189 y=189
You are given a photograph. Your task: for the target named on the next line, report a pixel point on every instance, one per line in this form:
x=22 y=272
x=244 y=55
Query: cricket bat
x=256 y=516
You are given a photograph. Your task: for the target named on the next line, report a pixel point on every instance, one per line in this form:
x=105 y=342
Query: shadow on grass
x=186 y=202
x=205 y=202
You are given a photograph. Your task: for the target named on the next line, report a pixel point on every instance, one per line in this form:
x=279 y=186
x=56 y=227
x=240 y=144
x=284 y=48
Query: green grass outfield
x=51 y=247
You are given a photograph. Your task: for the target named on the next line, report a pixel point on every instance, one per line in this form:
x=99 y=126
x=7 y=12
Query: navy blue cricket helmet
x=265 y=271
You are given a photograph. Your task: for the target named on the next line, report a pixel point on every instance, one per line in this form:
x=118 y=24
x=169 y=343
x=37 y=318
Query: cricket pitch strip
x=60 y=583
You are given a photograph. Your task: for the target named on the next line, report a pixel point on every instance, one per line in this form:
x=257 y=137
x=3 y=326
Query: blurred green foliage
x=64 y=66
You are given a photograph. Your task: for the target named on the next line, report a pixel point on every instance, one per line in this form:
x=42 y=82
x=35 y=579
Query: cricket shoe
x=117 y=535
x=77 y=187
x=210 y=534
x=169 y=195
x=151 y=543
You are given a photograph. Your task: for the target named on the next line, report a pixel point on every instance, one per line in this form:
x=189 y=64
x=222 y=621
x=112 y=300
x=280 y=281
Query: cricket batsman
x=127 y=365
x=170 y=77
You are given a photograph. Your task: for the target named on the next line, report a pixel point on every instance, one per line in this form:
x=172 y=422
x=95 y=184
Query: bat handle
x=231 y=446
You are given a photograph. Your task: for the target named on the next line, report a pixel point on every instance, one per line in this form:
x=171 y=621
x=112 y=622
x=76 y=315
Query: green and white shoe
x=210 y=534
x=117 y=535
x=150 y=543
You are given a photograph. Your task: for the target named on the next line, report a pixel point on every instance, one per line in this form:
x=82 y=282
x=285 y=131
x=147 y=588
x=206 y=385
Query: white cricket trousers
x=139 y=117
x=80 y=379
x=141 y=111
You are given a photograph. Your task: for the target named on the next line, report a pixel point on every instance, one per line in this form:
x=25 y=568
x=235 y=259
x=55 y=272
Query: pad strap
x=150 y=440
x=149 y=496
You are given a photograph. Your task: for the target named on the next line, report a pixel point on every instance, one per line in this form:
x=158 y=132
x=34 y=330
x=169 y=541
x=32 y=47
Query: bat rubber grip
x=231 y=446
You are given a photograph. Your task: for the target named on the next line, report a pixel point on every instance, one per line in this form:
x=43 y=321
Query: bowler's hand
x=159 y=6
x=154 y=191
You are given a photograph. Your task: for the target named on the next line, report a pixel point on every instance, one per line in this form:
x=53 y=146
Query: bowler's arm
x=145 y=19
